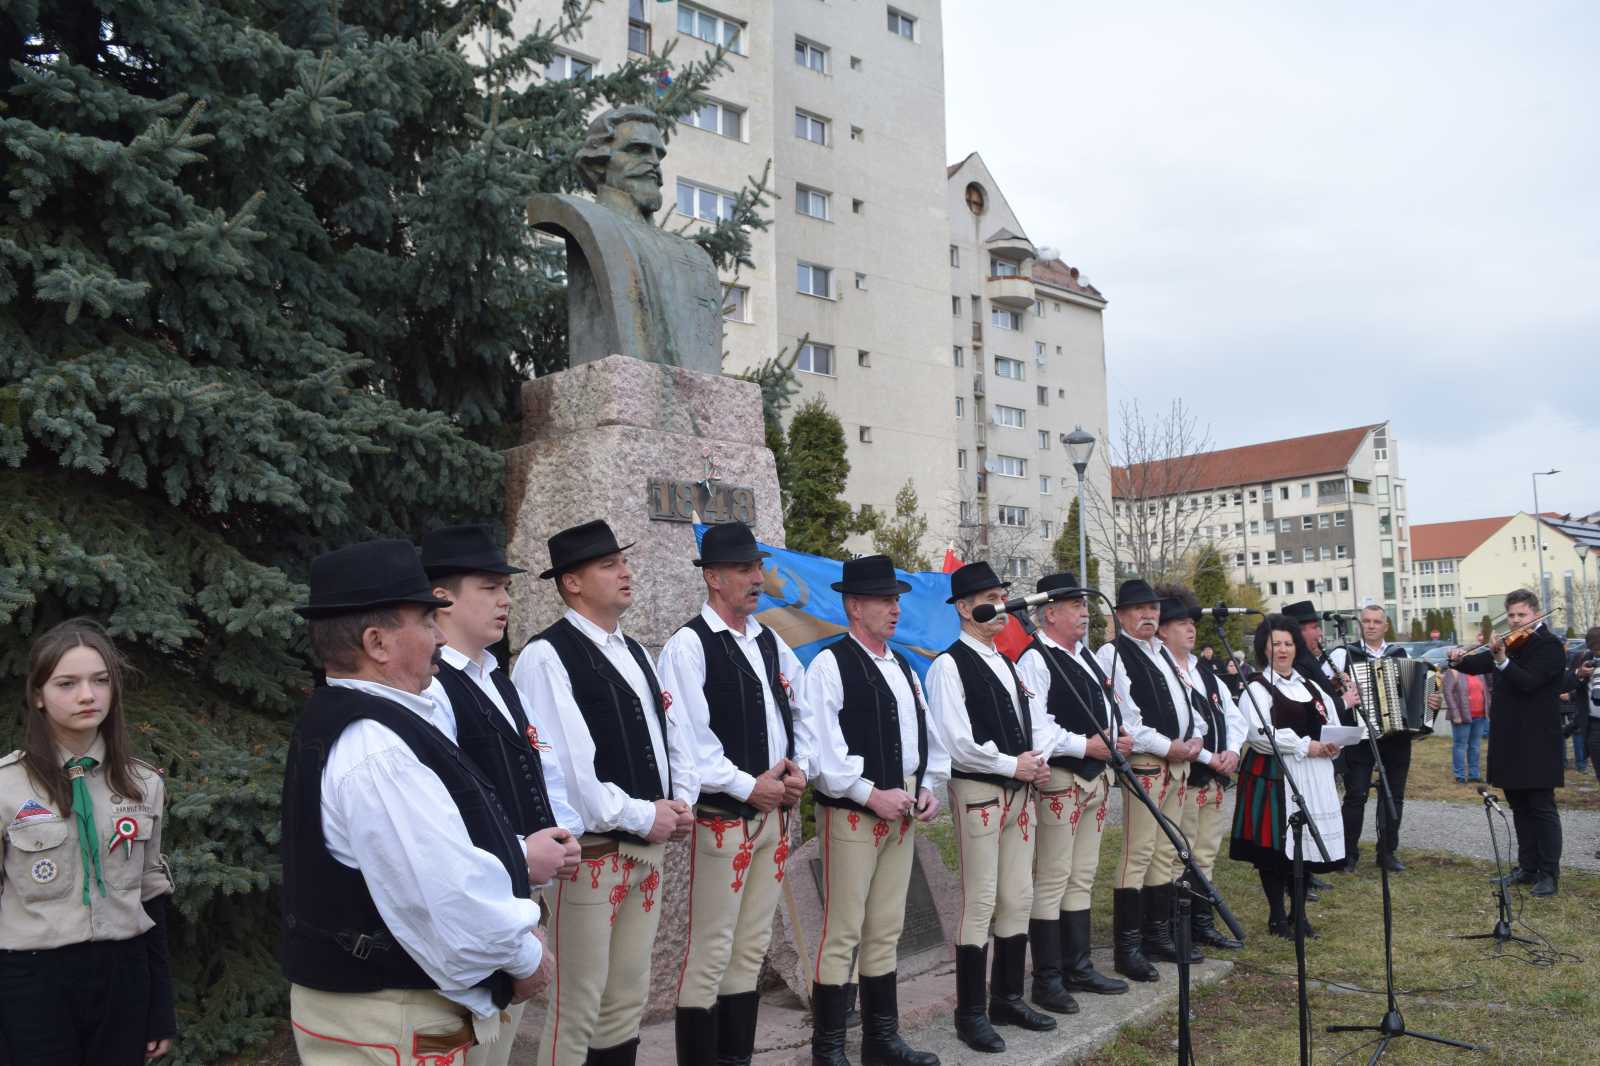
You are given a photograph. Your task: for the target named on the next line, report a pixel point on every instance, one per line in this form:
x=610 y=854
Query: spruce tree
x=265 y=289
x=818 y=520
x=1064 y=553
x=901 y=537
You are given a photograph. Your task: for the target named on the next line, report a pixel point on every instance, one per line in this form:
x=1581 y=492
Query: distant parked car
x=1418 y=649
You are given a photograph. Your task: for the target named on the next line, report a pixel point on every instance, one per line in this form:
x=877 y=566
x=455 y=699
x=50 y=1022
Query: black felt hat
x=1301 y=611
x=1134 y=591
x=1064 y=580
x=464 y=550
x=374 y=573
x=580 y=544
x=730 y=542
x=974 y=577
x=1174 y=610
x=870 y=575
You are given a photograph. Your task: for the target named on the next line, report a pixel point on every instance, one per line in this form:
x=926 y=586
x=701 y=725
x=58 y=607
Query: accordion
x=1394 y=695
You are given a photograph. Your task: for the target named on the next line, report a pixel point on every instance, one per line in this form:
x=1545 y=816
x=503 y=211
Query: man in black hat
x=735 y=683
x=387 y=824
x=629 y=769
x=467 y=567
x=1167 y=736
x=996 y=737
x=1203 y=820
x=880 y=768
x=1072 y=805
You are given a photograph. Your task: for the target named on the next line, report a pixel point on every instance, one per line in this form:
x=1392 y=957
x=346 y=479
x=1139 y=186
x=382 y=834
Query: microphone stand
x=1298 y=822
x=1392 y=1025
x=1123 y=771
x=1502 y=886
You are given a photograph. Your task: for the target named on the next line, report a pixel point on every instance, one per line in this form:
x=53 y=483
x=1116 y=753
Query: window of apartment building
x=1252 y=495
x=814 y=280
x=955 y=306
x=1338 y=520
x=1447 y=566
x=855 y=62
x=966 y=513
x=1010 y=417
x=955 y=256
x=977 y=307
x=863 y=357
x=715 y=117
x=1255 y=527
x=564 y=66
x=1283 y=492
x=1044 y=484
x=1044 y=440
x=810 y=54
x=1380 y=444
x=857 y=133
x=1307 y=522
x=1038 y=309
x=1272 y=588
x=809 y=127
x=1383 y=486
x=1042 y=396
x=1002 y=319
x=861 y=281
x=1360 y=488
x=902 y=25
x=959 y=354
x=813 y=203
x=736 y=303
x=1007 y=368
x=1427 y=592
x=1238 y=558
x=865 y=434
x=638 y=28
x=1388 y=588
x=1344 y=584
x=1424 y=568
x=1288 y=588
x=1305 y=490
x=1288 y=555
x=1002 y=268
x=961 y=458
x=1017 y=566
x=1285 y=525
x=1045 y=532
x=1039 y=353
x=1007 y=515
x=1255 y=558
x=1447 y=590
x=1331 y=487
x=961 y=407
x=1010 y=466
x=710 y=27
x=1341 y=551
x=1272 y=558
x=857 y=206
x=815 y=358
x=1324 y=553
x=1386 y=552
x=1324 y=521
x=699 y=201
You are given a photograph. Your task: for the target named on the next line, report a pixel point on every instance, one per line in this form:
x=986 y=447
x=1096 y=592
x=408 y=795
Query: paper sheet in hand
x=1346 y=736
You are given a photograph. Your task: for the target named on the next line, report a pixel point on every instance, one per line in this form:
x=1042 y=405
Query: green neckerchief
x=83 y=810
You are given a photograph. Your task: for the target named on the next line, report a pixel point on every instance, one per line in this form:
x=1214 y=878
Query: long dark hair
x=39 y=752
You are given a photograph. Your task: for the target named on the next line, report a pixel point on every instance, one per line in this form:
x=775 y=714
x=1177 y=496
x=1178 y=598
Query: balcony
x=1003 y=244
x=981 y=434
x=977 y=332
x=978 y=386
x=1014 y=293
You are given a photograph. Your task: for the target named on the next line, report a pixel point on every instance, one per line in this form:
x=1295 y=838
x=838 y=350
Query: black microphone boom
x=1224 y=610
x=985 y=612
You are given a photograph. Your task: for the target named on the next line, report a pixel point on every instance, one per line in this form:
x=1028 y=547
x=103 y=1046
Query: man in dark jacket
x=1525 y=745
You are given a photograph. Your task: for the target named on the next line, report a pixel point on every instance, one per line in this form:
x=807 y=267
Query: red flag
x=1012 y=641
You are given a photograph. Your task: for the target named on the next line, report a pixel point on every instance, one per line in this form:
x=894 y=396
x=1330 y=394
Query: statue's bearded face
x=635 y=164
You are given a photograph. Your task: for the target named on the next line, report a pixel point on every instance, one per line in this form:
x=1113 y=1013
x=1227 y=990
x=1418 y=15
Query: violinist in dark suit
x=1527 y=668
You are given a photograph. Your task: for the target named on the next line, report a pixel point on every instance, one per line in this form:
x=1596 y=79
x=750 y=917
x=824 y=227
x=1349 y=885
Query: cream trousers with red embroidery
x=736 y=870
x=1206 y=825
x=602 y=924
x=866 y=871
x=995 y=832
x=1072 y=815
x=410 y=1027
x=1148 y=857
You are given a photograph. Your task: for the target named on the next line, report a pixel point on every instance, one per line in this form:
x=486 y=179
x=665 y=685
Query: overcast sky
x=1307 y=217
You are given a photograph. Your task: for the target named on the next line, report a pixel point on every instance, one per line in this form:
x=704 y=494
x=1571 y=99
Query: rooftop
x=1251 y=464
x=1452 y=540
x=1058 y=275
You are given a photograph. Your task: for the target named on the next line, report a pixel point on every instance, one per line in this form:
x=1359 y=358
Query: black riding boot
x=736 y=1028
x=1077 y=971
x=1127 y=936
x=1048 y=991
x=1006 y=1005
x=972 y=1021
x=827 y=1026
x=1203 y=929
x=623 y=1054
x=1158 y=942
x=881 y=1043
x=697 y=1035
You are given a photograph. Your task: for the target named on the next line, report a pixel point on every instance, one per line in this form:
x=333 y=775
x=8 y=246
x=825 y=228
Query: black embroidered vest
x=738 y=708
x=1147 y=684
x=506 y=752
x=990 y=710
x=1080 y=709
x=870 y=720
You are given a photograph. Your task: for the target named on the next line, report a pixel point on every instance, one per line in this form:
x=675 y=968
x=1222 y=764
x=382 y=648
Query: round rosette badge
x=125 y=830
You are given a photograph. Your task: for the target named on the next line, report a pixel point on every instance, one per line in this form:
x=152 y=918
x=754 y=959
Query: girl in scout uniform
x=84 y=977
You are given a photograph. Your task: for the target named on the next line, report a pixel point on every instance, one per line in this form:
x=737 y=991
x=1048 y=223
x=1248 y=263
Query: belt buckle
x=363 y=947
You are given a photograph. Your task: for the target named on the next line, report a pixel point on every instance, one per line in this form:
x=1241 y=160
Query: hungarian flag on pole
x=1012 y=641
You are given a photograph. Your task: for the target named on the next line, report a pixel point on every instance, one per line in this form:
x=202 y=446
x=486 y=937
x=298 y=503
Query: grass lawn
x=1431 y=777
x=1524 y=1015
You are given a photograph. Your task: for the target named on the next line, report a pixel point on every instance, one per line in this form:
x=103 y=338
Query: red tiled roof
x=1058 y=275
x=1278 y=460
x=1452 y=540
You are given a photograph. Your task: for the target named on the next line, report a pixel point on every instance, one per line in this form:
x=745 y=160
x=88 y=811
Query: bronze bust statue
x=632 y=287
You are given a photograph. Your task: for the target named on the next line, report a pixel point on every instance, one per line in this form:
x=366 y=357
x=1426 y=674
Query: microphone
x=1222 y=611
x=1488 y=797
x=985 y=612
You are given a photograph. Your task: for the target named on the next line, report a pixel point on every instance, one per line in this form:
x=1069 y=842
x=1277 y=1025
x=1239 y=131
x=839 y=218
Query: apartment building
x=1321 y=517
x=846 y=98
x=1438 y=552
x=1468 y=567
x=1027 y=365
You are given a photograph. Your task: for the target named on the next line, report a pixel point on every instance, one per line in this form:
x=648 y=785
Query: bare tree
x=973 y=534
x=1166 y=484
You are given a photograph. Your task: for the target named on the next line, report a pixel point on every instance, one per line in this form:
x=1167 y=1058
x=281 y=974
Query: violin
x=1515 y=637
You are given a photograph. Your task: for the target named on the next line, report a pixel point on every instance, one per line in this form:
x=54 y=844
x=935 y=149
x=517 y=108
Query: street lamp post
x=1583 y=570
x=1538 y=538
x=1080 y=446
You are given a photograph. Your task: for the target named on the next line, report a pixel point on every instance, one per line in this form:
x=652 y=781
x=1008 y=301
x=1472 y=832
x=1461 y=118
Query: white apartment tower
x=846 y=98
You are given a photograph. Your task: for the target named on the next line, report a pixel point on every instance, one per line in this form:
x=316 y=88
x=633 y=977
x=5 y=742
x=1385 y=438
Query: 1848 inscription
x=678 y=501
